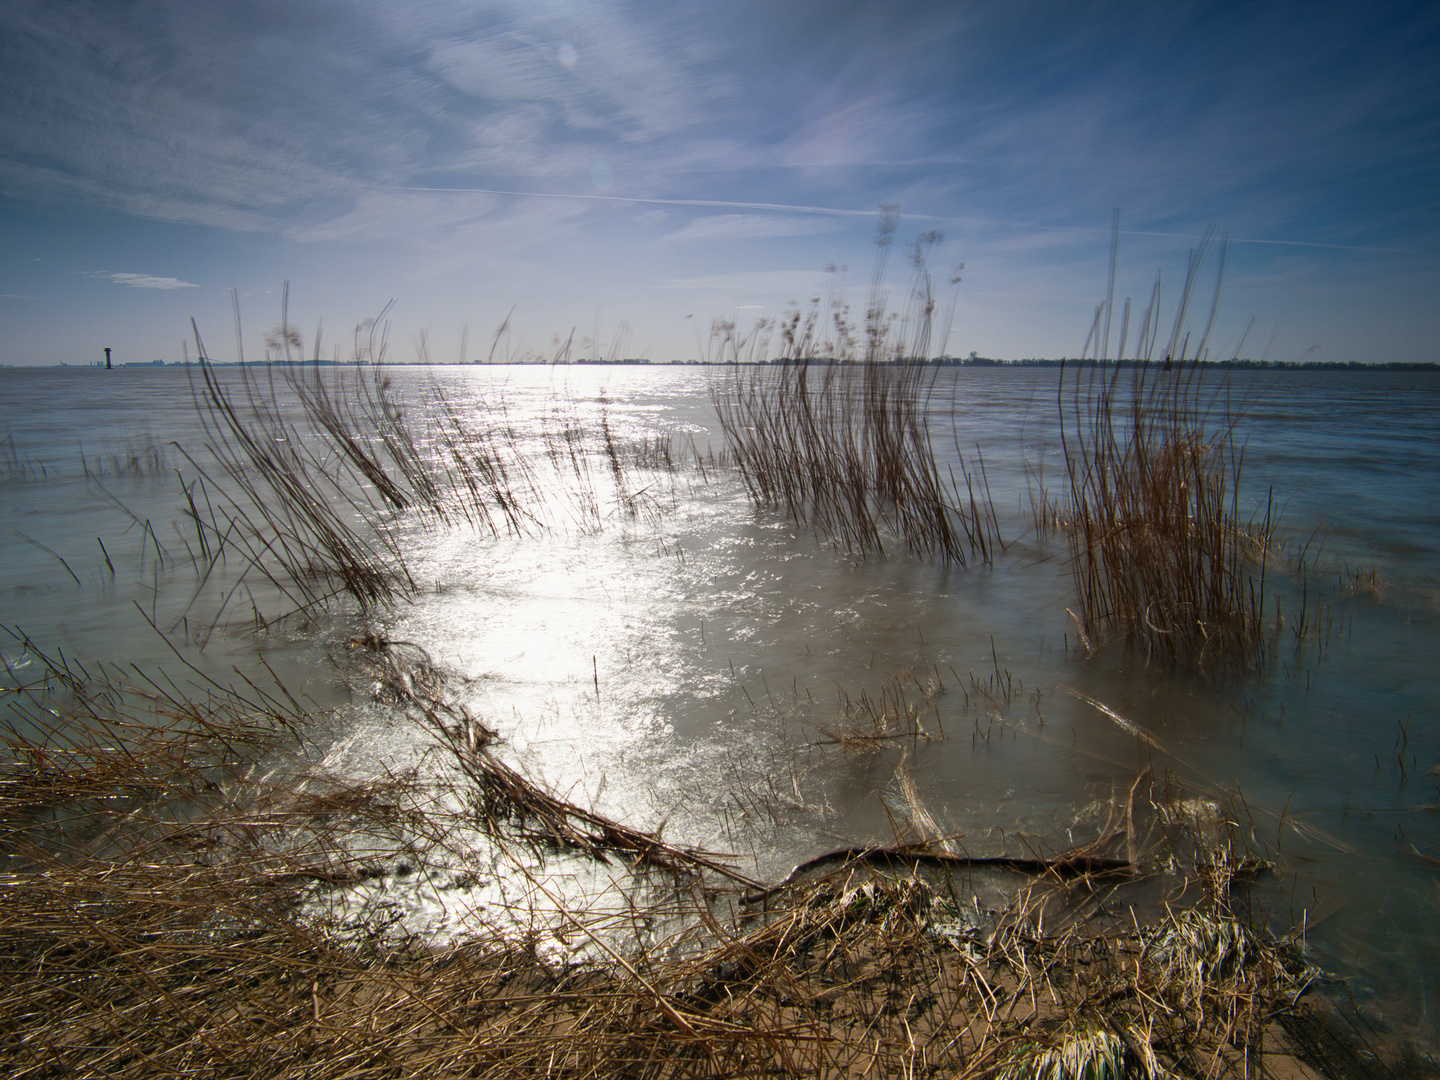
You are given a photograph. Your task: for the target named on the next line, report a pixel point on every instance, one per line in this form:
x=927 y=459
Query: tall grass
x=1164 y=558
x=310 y=478
x=836 y=429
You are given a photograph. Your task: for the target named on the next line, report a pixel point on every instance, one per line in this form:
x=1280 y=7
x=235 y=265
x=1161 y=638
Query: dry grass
x=1164 y=559
x=155 y=922
x=837 y=429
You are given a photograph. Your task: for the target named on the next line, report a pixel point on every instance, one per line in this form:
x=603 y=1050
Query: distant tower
x=107 y=357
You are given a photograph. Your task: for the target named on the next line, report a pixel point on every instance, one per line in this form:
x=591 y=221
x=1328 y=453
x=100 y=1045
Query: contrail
x=726 y=204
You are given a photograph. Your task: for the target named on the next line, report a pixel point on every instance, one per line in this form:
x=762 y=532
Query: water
x=658 y=649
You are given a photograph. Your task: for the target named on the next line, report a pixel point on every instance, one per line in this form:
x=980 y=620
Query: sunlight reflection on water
x=658 y=650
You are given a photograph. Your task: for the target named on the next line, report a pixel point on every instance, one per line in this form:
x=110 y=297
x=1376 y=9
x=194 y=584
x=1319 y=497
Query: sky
x=509 y=176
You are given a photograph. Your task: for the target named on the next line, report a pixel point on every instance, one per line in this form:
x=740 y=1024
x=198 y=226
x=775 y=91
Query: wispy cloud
x=142 y=281
x=709 y=203
x=202 y=116
x=750 y=227
x=477 y=148
x=787 y=285
x=387 y=214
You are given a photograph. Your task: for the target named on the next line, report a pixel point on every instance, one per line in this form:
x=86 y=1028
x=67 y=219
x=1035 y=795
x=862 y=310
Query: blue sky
x=636 y=170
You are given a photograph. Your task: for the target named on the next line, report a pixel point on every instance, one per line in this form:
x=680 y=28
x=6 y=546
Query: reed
x=836 y=430
x=1163 y=558
x=310 y=479
x=285 y=508
x=18 y=466
x=869 y=723
x=139 y=457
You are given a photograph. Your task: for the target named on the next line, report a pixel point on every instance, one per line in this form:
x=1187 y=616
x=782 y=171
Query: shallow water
x=656 y=648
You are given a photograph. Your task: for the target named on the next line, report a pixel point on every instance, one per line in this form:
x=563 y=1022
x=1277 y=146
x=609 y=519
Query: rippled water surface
x=652 y=645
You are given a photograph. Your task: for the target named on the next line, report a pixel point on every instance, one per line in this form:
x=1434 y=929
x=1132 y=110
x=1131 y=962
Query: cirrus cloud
x=141 y=281
x=751 y=227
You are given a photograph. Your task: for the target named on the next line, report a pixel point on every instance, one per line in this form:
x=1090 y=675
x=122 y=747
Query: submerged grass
x=140 y=457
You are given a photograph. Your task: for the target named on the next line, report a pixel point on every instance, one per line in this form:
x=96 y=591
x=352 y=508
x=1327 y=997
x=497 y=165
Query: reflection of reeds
x=1162 y=557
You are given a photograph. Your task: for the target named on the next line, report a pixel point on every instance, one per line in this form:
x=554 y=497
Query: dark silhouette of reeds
x=837 y=429
x=309 y=477
x=310 y=495
x=292 y=512
x=1163 y=558
x=846 y=448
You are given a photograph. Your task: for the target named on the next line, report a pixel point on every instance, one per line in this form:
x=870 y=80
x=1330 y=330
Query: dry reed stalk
x=497 y=794
x=1163 y=559
x=156 y=958
x=837 y=429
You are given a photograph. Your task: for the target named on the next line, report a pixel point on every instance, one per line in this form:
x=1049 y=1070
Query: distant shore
x=939 y=361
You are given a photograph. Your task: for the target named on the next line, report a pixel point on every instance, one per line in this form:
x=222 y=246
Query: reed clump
x=869 y=723
x=836 y=429
x=309 y=481
x=15 y=466
x=303 y=515
x=139 y=457
x=1162 y=555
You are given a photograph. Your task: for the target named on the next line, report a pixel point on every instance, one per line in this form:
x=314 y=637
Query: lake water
x=652 y=645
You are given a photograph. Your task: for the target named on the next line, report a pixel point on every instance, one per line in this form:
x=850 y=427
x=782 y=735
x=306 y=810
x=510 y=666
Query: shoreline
x=173 y=935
